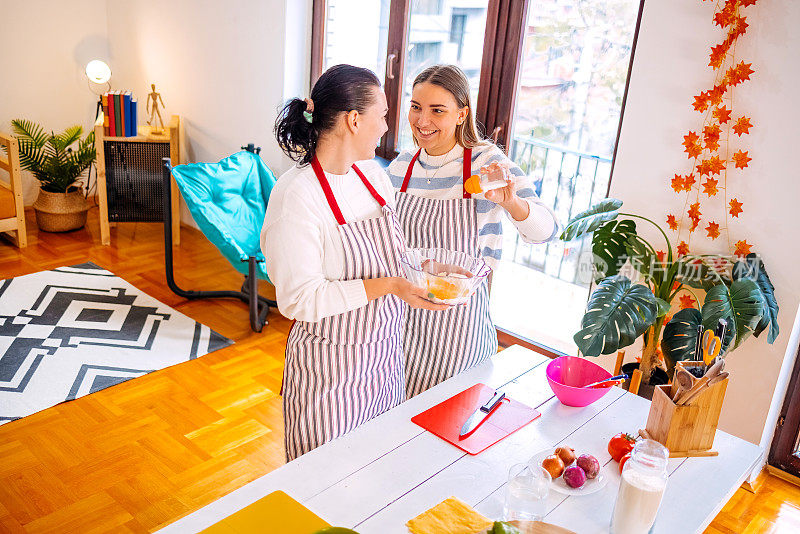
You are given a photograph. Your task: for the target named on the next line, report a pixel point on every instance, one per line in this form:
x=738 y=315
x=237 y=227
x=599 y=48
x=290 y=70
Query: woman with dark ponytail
x=332 y=244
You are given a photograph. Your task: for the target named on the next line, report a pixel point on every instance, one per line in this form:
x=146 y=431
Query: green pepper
x=501 y=527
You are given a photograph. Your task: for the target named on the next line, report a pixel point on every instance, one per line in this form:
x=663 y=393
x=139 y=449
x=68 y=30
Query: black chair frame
x=248 y=293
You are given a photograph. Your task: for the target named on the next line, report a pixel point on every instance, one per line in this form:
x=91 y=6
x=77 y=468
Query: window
x=364 y=48
x=548 y=81
x=397 y=39
x=572 y=80
x=427 y=7
x=458 y=23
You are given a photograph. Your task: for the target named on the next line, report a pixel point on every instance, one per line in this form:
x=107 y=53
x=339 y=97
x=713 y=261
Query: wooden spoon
x=684 y=380
x=718 y=378
x=713 y=371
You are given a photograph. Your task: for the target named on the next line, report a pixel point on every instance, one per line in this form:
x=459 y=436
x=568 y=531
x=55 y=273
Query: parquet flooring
x=141 y=454
x=774 y=508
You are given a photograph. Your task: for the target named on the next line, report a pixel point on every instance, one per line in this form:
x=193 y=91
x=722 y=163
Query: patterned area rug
x=75 y=330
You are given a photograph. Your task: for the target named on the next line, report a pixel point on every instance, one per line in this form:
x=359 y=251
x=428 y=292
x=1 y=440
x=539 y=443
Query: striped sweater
x=445 y=176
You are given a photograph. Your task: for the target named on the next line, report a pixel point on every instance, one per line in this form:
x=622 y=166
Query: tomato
x=623 y=460
x=620 y=445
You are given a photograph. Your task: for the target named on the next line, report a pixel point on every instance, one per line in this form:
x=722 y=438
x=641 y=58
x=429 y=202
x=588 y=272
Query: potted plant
x=61 y=205
x=620 y=309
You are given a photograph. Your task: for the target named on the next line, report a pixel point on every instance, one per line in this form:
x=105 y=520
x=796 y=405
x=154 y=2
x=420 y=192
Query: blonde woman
x=435 y=211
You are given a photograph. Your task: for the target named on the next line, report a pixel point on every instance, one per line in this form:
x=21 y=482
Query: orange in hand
x=473 y=185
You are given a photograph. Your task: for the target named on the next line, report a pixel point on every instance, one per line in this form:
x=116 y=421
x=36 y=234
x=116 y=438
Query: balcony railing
x=569 y=181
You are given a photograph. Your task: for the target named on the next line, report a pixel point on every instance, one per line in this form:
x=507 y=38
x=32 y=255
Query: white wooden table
x=389 y=470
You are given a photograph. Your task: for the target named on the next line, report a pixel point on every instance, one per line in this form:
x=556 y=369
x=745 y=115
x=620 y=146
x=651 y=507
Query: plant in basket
x=622 y=308
x=61 y=205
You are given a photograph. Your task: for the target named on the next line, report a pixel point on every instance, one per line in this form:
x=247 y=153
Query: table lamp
x=98 y=73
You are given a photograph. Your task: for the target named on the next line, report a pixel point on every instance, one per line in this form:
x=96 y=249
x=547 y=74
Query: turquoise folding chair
x=227 y=201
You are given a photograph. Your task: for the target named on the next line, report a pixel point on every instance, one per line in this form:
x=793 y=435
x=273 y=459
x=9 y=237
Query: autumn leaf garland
x=708 y=148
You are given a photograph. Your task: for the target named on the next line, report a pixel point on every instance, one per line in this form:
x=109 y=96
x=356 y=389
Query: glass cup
x=526 y=493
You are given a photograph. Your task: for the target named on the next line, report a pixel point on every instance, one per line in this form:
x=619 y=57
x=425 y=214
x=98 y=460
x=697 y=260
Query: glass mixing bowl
x=449 y=277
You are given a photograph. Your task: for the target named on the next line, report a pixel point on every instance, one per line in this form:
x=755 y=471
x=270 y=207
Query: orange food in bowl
x=444 y=290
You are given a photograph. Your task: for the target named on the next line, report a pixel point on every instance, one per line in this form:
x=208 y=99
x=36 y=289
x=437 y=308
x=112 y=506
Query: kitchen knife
x=481 y=414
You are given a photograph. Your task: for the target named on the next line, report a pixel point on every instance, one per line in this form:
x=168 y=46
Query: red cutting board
x=446 y=419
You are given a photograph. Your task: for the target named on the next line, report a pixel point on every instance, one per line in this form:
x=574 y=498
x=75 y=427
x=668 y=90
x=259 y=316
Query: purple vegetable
x=574 y=476
x=589 y=464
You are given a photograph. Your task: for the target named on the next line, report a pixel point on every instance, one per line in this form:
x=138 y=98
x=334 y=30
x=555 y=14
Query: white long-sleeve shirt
x=446 y=182
x=302 y=245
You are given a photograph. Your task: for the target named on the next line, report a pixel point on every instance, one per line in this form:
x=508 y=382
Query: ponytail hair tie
x=307 y=114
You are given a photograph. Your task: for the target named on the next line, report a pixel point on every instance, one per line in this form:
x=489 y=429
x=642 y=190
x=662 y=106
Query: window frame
x=494 y=109
x=499 y=73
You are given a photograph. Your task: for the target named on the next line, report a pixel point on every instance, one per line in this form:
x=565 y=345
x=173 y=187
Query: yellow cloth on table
x=277 y=512
x=450 y=516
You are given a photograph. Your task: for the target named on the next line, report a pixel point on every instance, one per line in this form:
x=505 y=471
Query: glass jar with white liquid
x=641 y=488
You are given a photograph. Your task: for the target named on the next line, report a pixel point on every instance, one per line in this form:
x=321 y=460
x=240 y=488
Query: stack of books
x=119 y=114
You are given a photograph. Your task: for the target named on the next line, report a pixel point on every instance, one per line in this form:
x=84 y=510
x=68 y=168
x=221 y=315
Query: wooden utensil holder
x=687 y=430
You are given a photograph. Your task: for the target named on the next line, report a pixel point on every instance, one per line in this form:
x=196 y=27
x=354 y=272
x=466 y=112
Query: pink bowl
x=566 y=375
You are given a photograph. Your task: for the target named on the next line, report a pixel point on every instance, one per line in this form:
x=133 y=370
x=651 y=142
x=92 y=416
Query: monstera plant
x=621 y=309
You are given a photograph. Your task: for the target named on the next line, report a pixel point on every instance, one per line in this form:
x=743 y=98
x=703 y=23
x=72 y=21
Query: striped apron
x=439 y=345
x=348 y=368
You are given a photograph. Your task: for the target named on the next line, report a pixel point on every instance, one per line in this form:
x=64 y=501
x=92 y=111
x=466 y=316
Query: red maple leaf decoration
x=741 y=160
x=742 y=126
x=701 y=102
x=677 y=183
x=723 y=18
x=739 y=73
x=688 y=182
x=710 y=187
x=736 y=208
x=686 y=301
x=745 y=3
x=713 y=230
x=692 y=145
x=690 y=139
x=683 y=248
x=716 y=93
x=739 y=28
x=672 y=222
x=742 y=248
x=694 y=211
x=722 y=114
x=717 y=56
x=712 y=144
x=702 y=168
x=715 y=165
x=712 y=131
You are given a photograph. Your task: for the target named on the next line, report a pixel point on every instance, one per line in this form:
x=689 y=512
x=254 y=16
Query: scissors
x=711 y=347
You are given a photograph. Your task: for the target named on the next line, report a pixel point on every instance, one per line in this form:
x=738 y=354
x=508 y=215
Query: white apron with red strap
x=439 y=345
x=348 y=368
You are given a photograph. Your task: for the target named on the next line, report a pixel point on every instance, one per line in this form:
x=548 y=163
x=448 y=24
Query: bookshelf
x=129 y=176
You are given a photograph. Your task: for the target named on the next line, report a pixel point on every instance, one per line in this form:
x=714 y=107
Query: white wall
x=225 y=67
x=220 y=65
x=670 y=67
x=45 y=48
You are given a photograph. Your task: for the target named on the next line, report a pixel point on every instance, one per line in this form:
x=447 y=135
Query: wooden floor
x=139 y=455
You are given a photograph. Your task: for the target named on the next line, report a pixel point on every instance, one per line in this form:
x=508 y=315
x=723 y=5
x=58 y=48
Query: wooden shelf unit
x=171 y=135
